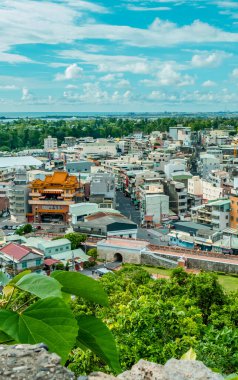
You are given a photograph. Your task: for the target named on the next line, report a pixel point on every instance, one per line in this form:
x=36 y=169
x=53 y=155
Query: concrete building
x=79 y=210
x=18 y=194
x=195 y=186
x=234 y=209
x=50 y=143
x=207 y=163
x=215 y=214
x=154 y=207
x=78 y=167
x=178 y=197
x=106 y=225
x=70 y=141
x=100 y=148
x=15 y=258
x=175 y=167
x=102 y=189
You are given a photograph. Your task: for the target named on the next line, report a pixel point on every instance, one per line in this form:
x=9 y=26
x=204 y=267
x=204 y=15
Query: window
x=49 y=250
x=232 y=218
x=237 y=219
x=226 y=216
x=24 y=265
x=38 y=262
x=56 y=249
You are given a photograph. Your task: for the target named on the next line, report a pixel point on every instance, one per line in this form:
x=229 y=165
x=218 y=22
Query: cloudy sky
x=131 y=55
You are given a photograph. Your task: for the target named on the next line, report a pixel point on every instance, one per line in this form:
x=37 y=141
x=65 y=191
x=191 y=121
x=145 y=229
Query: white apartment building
x=175 y=167
x=101 y=147
x=18 y=197
x=207 y=163
x=207 y=190
x=154 y=207
x=50 y=143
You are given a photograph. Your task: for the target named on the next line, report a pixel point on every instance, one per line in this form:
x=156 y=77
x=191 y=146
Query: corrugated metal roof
x=7 y=162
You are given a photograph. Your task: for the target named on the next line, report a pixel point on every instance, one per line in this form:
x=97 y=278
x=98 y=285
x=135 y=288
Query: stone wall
x=26 y=362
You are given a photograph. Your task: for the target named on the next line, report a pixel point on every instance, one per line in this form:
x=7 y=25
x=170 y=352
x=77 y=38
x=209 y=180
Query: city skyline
x=150 y=55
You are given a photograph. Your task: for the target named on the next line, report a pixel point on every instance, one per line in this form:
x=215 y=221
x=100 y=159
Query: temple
x=50 y=199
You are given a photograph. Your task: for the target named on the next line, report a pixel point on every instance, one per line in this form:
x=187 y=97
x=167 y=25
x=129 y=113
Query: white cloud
x=71 y=72
x=209 y=59
x=71 y=86
x=8 y=87
x=209 y=83
x=26 y=94
x=168 y=76
x=110 y=77
x=132 y=7
x=234 y=73
x=123 y=83
x=87 y=6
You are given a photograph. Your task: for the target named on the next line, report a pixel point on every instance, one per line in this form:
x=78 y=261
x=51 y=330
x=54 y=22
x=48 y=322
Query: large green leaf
x=48 y=321
x=189 y=355
x=4 y=338
x=15 y=279
x=95 y=335
x=82 y=286
x=4 y=280
x=41 y=286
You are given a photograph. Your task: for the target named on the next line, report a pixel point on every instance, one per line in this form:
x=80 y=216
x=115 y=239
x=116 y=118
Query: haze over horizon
x=101 y=56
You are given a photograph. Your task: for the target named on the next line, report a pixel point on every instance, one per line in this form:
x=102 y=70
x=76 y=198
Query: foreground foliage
x=36 y=309
x=159 y=319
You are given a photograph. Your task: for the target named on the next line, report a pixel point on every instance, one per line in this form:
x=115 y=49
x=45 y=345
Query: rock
x=189 y=369
x=100 y=376
x=144 y=370
x=31 y=362
x=172 y=370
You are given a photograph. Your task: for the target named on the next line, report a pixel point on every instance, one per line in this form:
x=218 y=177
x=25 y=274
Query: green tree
x=76 y=239
x=93 y=253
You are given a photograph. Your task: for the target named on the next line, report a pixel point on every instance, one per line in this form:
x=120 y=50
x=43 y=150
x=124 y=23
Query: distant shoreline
x=4 y=116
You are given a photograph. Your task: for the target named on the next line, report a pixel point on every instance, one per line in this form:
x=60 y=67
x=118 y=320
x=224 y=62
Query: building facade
x=50 y=199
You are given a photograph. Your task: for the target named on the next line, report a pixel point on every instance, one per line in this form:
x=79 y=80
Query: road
x=127 y=208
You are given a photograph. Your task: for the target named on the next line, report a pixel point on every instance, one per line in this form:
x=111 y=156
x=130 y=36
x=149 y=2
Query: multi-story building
x=154 y=207
x=50 y=143
x=207 y=163
x=102 y=189
x=70 y=140
x=215 y=214
x=234 y=209
x=178 y=197
x=18 y=197
x=51 y=197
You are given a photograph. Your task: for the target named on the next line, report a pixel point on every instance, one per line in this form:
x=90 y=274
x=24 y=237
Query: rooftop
x=54 y=243
x=8 y=162
x=15 y=251
x=125 y=243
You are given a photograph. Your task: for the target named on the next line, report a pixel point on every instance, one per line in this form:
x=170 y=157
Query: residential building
x=18 y=193
x=15 y=258
x=50 y=143
x=70 y=141
x=207 y=163
x=234 y=209
x=215 y=214
x=154 y=208
x=178 y=197
x=102 y=189
x=77 y=167
x=97 y=149
x=175 y=167
x=50 y=199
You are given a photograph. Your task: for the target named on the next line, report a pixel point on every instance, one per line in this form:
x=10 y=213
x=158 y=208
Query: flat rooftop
x=8 y=162
x=130 y=243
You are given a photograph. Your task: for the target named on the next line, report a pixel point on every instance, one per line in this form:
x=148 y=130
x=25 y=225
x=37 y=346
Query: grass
x=228 y=282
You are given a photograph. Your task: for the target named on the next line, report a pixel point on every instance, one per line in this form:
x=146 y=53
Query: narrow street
x=127 y=208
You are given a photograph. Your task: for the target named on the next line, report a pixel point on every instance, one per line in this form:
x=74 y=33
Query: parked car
x=10 y=233
x=14 y=227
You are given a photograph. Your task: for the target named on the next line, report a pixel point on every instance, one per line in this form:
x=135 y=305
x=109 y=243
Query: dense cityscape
x=119 y=190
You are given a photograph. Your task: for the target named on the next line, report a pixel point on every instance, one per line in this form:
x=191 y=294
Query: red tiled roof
x=16 y=251
x=50 y=261
x=148 y=218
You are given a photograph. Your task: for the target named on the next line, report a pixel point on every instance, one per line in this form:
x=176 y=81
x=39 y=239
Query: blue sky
x=131 y=55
